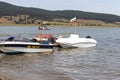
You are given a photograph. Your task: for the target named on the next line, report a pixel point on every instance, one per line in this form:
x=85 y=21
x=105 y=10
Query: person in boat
x=33 y=40
x=52 y=40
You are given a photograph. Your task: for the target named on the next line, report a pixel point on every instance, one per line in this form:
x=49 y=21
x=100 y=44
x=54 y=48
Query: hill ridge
x=7 y=9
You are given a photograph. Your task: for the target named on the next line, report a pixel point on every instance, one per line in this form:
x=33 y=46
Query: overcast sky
x=99 y=6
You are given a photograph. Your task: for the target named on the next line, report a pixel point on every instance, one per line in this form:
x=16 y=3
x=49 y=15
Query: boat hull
x=79 y=45
x=20 y=49
x=6 y=47
x=75 y=41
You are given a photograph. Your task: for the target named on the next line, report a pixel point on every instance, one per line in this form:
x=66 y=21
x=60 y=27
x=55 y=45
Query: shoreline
x=35 y=25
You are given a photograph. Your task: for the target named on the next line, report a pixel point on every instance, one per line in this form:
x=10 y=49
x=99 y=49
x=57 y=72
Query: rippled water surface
x=99 y=63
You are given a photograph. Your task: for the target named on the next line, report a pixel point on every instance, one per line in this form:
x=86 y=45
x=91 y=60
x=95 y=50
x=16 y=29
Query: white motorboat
x=25 y=45
x=75 y=41
x=43 y=28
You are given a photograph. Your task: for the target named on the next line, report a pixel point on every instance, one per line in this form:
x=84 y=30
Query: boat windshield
x=17 y=39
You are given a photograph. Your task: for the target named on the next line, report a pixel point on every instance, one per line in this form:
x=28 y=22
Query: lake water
x=99 y=63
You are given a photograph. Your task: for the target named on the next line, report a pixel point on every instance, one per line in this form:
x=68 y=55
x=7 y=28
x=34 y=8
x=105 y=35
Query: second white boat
x=75 y=41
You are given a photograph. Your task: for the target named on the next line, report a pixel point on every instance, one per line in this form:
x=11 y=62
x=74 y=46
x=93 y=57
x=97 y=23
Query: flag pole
x=74 y=21
x=75 y=28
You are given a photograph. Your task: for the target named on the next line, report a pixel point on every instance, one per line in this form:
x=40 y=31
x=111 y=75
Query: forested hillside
x=7 y=9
